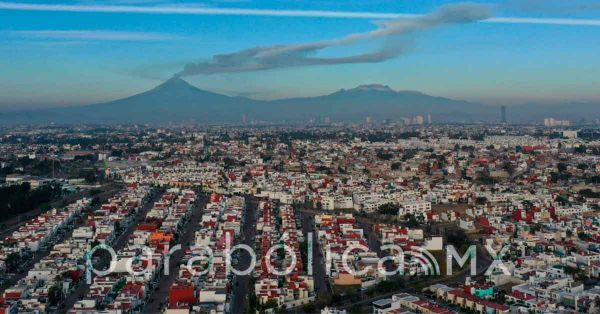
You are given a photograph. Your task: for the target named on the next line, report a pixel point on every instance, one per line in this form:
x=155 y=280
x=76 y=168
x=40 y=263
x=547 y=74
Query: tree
x=228 y=162
x=384 y=155
x=389 y=209
x=519 y=149
x=94 y=244
x=583 y=236
x=45 y=207
x=12 y=261
x=90 y=176
x=323 y=299
x=569 y=233
x=458 y=238
x=508 y=167
x=252 y=302
x=587 y=193
x=271 y=304
x=19 y=199
x=309 y=308
x=411 y=221
x=481 y=200
x=54 y=295
x=581 y=149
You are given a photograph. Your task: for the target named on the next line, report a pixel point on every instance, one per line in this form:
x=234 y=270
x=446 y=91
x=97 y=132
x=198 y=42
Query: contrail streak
x=92 y=35
x=546 y=21
x=267 y=12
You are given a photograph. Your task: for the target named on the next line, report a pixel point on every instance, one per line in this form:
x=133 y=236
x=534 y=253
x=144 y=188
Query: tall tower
x=503 y=114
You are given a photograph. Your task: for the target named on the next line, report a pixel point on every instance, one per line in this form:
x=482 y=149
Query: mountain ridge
x=176 y=100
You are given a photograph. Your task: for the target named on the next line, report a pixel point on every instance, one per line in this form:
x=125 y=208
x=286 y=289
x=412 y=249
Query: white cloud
x=92 y=35
x=195 y=10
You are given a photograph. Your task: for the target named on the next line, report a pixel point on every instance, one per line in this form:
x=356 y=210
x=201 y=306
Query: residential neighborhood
x=336 y=219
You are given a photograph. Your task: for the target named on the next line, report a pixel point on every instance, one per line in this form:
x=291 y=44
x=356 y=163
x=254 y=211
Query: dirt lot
x=440 y=208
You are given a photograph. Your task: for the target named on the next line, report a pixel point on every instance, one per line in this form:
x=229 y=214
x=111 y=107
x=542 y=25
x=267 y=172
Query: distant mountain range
x=179 y=102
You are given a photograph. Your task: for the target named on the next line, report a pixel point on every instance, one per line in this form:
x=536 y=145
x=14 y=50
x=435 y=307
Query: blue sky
x=62 y=56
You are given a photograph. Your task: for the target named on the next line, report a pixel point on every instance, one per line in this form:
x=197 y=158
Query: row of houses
x=339 y=235
x=472 y=297
x=55 y=276
x=139 y=265
x=283 y=281
x=38 y=232
x=104 y=287
x=411 y=241
x=404 y=303
x=203 y=283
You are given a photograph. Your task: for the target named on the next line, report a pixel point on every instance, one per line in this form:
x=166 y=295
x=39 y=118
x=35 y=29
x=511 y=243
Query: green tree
x=309 y=308
x=562 y=167
x=389 y=209
x=54 y=295
x=458 y=238
x=481 y=200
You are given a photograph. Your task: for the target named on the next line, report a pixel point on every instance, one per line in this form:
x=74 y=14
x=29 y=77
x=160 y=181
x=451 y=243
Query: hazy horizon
x=69 y=53
x=518 y=103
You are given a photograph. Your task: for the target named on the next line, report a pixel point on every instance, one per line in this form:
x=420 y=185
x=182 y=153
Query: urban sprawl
x=333 y=218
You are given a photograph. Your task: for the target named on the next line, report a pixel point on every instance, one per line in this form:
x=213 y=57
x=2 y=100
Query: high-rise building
x=550 y=122
x=503 y=114
x=418 y=120
x=429 y=118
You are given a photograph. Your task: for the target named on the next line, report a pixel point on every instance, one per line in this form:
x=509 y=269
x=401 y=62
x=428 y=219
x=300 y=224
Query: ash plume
x=286 y=56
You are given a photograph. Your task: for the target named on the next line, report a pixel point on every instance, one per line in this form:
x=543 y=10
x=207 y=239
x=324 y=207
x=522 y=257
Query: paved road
x=321 y=281
x=83 y=288
x=16 y=222
x=375 y=246
x=62 y=236
x=160 y=295
x=240 y=286
x=318 y=262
